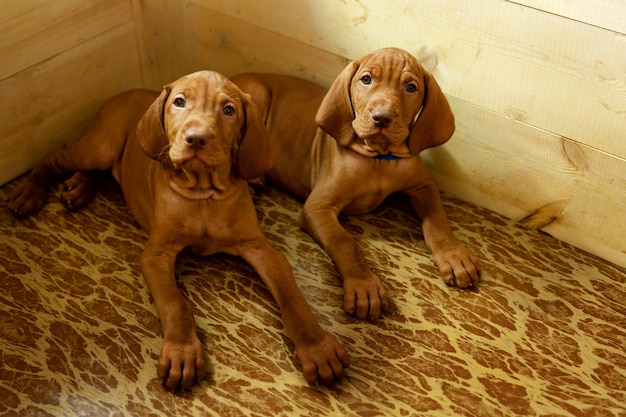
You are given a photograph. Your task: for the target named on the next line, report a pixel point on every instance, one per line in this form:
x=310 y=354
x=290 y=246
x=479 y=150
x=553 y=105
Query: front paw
x=181 y=365
x=457 y=265
x=26 y=198
x=366 y=298
x=324 y=361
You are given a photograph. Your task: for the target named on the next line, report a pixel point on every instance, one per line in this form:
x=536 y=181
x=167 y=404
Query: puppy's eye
x=411 y=88
x=366 y=79
x=229 y=110
x=179 y=102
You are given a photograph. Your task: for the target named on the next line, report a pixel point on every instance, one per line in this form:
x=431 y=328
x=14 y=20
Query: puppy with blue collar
x=344 y=150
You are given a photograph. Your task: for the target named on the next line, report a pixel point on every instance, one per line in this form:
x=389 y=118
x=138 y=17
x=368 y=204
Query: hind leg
x=30 y=196
x=31 y=193
x=98 y=149
x=85 y=155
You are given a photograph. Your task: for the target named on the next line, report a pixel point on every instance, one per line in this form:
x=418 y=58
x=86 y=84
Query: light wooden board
x=572 y=191
x=36 y=30
x=545 y=70
x=215 y=41
x=607 y=14
x=165 y=40
x=48 y=105
x=231 y=46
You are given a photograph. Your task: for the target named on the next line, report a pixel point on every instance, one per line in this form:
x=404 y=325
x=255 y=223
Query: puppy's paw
x=324 y=361
x=181 y=365
x=78 y=191
x=365 y=298
x=26 y=198
x=457 y=265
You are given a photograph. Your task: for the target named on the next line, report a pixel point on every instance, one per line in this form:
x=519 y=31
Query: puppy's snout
x=381 y=117
x=196 y=139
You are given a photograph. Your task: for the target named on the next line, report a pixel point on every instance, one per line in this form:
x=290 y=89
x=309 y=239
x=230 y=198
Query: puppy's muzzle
x=196 y=138
x=381 y=117
x=383 y=112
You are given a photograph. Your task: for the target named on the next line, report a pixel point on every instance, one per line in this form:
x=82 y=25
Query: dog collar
x=388 y=157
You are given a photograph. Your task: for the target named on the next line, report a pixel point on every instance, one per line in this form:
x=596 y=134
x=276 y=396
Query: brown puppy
x=181 y=158
x=379 y=113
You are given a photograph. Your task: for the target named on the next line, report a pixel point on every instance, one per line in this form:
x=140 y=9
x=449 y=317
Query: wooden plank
x=164 y=39
x=571 y=191
x=607 y=14
x=48 y=105
x=553 y=73
x=231 y=46
x=33 y=31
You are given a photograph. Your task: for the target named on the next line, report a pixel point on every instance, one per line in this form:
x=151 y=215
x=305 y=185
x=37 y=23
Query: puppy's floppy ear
x=435 y=124
x=335 y=114
x=151 y=128
x=253 y=157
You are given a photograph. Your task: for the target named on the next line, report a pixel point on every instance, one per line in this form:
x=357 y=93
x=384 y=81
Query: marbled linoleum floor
x=543 y=335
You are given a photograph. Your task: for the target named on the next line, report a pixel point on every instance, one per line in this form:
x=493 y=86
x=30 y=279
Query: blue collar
x=388 y=157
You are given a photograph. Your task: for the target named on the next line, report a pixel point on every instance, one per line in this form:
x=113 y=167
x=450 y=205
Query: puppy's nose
x=381 y=118
x=195 y=139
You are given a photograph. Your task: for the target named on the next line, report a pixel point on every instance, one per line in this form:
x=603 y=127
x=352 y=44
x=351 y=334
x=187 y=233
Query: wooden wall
x=60 y=60
x=538 y=87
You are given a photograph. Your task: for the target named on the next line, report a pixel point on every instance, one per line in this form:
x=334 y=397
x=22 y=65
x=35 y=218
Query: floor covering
x=544 y=334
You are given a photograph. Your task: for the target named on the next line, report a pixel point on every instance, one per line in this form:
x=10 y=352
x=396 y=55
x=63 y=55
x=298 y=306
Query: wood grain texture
x=232 y=46
x=37 y=30
x=49 y=105
x=607 y=14
x=164 y=39
x=571 y=191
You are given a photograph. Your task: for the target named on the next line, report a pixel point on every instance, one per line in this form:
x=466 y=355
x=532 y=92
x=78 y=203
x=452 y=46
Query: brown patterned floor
x=544 y=335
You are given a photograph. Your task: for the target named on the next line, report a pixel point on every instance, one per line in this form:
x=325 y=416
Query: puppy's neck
x=198 y=181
